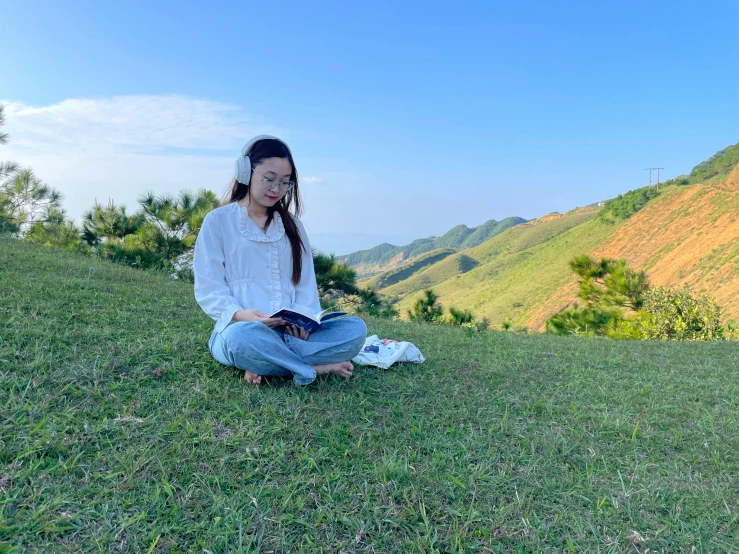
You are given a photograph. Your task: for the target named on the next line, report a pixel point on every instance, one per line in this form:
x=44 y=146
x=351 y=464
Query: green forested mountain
x=389 y=257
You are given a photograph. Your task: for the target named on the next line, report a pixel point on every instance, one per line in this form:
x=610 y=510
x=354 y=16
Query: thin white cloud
x=119 y=147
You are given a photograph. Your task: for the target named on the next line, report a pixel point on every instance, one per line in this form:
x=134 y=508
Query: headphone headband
x=243 y=163
x=248 y=146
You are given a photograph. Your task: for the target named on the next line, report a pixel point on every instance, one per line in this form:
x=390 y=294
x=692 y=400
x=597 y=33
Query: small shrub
x=677 y=315
x=731 y=332
x=482 y=325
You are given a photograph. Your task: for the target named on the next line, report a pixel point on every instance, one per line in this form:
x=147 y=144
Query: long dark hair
x=271 y=148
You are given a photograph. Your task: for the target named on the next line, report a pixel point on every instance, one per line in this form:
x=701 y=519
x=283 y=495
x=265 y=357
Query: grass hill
x=455 y=264
x=417 y=264
x=512 y=285
x=387 y=257
x=512 y=242
x=120 y=434
x=681 y=235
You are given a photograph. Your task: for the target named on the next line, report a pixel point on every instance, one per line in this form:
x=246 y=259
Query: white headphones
x=243 y=163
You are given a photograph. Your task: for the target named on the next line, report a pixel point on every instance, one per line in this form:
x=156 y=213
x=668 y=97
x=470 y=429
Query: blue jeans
x=255 y=347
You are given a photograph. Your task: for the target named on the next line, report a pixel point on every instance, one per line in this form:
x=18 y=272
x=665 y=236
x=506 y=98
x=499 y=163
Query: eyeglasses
x=270 y=184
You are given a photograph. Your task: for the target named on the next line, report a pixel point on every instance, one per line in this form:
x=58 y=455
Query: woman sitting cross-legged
x=252 y=258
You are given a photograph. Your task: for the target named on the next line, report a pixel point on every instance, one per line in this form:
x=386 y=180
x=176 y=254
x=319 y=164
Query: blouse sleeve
x=211 y=289
x=306 y=292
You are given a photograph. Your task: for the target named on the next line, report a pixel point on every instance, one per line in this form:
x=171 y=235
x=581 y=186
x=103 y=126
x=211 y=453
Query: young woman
x=252 y=257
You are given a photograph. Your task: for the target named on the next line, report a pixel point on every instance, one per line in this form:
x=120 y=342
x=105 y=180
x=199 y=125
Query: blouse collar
x=250 y=230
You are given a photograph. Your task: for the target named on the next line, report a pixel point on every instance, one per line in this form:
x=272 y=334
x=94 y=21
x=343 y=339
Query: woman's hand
x=297 y=332
x=256 y=315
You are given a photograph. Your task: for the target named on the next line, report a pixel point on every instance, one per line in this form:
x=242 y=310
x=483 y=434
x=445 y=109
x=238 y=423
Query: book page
x=296 y=311
x=332 y=315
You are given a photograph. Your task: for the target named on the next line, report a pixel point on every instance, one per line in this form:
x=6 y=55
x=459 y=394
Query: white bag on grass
x=385 y=352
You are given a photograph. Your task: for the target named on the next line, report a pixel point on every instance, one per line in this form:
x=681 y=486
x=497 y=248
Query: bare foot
x=252 y=378
x=342 y=369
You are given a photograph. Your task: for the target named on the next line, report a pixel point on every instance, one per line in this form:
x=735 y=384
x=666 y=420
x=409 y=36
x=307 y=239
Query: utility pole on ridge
x=650 y=169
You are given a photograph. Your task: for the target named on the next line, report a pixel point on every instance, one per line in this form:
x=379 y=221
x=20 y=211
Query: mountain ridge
x=385 y=256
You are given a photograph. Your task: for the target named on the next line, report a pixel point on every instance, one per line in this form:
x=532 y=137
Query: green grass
x=120 y=434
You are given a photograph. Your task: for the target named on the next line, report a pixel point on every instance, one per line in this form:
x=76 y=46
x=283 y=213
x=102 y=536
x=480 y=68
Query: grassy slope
x=450 y=267
x=512 y=241
x=415 y=265
x=120 y=434
x=513 y=286
x=520 y=269
x=525 y=236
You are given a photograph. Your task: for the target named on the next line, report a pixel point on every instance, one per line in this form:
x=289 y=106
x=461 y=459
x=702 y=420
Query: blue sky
x=407 y=118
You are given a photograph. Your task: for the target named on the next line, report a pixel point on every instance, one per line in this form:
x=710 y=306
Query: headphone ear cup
x=243 y=170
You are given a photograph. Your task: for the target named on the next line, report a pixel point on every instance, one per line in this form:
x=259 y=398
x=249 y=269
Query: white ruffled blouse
x=238 y=267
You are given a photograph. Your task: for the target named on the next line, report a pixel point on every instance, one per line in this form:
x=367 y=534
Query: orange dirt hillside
x=687 y=236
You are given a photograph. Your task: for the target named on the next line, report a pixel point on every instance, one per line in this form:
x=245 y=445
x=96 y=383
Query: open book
x=309 y=322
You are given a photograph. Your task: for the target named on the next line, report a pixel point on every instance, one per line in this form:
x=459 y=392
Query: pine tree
x=109 y=223
x=7 y=169
x=26 y=200
x=609 y=288
x=334 y=279
x=427 y=308
x=460 y=317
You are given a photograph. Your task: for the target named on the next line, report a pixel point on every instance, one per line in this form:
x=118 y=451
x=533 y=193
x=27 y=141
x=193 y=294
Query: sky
x=405 y=118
